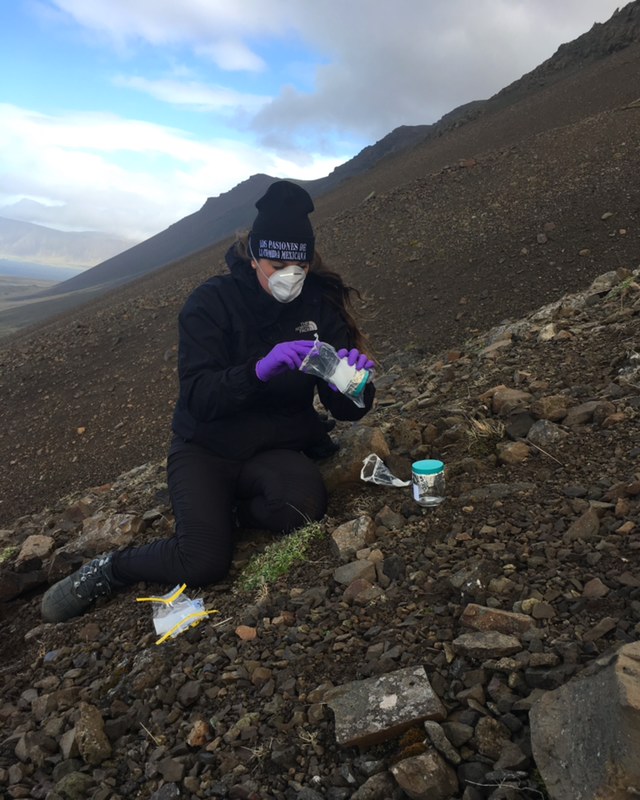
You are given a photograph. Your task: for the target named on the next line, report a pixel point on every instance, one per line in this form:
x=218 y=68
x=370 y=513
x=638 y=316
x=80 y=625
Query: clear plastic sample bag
x=374 y=470
x=174 y=612
x=324 y=362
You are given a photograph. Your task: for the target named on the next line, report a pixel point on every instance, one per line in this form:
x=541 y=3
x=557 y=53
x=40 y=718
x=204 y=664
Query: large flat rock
x=376 y=709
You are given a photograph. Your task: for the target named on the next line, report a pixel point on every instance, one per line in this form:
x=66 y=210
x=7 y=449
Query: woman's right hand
x=284 y=356
x=356 y=359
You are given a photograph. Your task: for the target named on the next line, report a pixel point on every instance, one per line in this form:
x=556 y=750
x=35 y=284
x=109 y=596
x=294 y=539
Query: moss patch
x=278 y=558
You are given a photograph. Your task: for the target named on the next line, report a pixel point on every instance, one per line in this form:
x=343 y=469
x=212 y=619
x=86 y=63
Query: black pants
x=277 y=490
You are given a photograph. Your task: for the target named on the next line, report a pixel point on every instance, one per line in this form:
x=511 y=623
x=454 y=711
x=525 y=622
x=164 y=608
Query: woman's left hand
x=356 y=358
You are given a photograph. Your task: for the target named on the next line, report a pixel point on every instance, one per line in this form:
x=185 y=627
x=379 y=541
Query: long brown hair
x=333 y=288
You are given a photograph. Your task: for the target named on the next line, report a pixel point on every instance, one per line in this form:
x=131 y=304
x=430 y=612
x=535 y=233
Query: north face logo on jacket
x=307 y=327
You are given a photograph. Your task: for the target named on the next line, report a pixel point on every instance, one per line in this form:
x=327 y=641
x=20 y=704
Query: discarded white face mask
x=286 y=284
x=374 y=470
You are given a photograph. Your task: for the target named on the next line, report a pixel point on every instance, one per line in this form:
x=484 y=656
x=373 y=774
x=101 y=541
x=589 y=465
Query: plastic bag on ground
x=374 y=470
x=174 y=612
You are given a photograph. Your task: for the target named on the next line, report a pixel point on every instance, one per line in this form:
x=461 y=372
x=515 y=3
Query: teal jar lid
x=429 y=466
x=360 y=387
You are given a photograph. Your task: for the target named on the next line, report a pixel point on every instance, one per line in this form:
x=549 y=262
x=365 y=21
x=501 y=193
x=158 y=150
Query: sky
x=123 y=116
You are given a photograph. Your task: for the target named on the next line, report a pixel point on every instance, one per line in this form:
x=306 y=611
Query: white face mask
x=285 y=284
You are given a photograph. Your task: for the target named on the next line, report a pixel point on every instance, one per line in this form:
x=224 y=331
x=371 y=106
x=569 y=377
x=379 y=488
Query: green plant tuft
x=7 y=553
x=277 y=558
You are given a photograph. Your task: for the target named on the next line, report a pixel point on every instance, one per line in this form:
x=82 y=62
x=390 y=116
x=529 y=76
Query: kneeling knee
x=204 y=572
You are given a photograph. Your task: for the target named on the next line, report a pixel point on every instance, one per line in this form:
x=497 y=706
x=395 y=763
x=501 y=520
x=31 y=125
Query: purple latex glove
x=284 y=356
x=355 y=357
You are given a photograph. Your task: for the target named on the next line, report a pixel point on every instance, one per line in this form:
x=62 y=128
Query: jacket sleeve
x=211 y=386
x=341 y=407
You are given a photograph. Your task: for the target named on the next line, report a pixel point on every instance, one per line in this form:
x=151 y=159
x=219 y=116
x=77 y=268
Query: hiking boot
x=73 y=595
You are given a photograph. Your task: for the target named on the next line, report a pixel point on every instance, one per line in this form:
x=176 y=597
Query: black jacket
x=229 y=323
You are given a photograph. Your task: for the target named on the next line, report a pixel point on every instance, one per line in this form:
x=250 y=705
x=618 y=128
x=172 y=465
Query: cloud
x=102 y=172
x=231 y=56
x=379 y=65
x=196 y=95
x=214 y=29
x=405 y=62
x=415 y=61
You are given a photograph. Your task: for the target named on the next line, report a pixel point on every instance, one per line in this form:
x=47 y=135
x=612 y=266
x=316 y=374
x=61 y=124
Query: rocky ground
x=538 y=421
x=536 y=418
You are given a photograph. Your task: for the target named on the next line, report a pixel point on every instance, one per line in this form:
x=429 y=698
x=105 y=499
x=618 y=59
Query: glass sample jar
x=427 y=481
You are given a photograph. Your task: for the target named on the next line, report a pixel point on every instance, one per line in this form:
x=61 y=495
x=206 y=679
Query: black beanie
x=282 y=230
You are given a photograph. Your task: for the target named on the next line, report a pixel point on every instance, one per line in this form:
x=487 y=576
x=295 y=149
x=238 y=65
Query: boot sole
x=60 y=603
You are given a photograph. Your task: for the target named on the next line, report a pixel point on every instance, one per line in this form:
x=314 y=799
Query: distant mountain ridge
x=31 y=243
